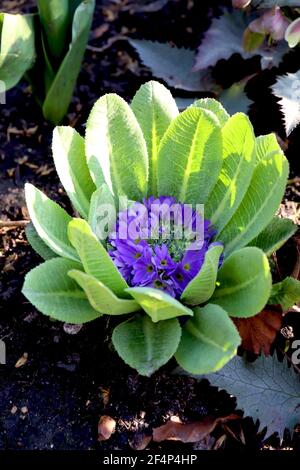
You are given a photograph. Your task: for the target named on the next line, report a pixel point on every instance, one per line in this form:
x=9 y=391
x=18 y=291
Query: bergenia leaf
x=37 y=243
x=50 y=221
x=157 y=304
x=190 y=156
x=238 y=166
x=60 y=93
x=102 y=208
x=209 y=340
x=259 y=204
x=172 y=64
x=210 y=104
x=202 y=286
x=267 y=390
x=154 y=108
x=286 y=293
x=69 y=158
x=94 y=257
x=244 y=283
x=17 y=50
x=49 y=288
x=144 y=345
x=277 y=232
x=116 y=149
x=287 y=89
x=101 y=297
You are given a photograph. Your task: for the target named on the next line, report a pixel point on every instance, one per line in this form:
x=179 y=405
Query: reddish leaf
x=259 y=332
x=188 y=432
x=106 y=428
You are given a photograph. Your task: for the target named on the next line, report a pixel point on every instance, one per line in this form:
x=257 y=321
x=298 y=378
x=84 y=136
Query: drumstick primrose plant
x=176 y=294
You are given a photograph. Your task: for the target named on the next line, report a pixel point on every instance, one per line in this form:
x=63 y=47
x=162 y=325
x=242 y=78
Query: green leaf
x=49 y=288
x=70 y=163
x=209 y=340
x=144 y=345
x=173 y=64
x=238 y=166
x=154 y=108
x=37 y=243
x=215 y=107
x=244 y=283
x=50 y=221
x=285 y=293
x=116 y=149
x=102 y=208
x=277 y=232
x=54 y=18
x=95 y=259
x=17 y=49
x=202 y=286
x=259 y=204
x=265 y=146
x=190 y=156
x=59 y=95
x=157 y=304
x=101 y=297
x=267 y=390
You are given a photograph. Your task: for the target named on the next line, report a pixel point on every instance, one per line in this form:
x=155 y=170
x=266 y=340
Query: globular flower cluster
x=160 y=243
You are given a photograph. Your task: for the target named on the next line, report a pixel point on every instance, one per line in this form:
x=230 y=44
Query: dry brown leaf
x=106 y=427
x=22 y=361
x=188 y=432
x=258 y=333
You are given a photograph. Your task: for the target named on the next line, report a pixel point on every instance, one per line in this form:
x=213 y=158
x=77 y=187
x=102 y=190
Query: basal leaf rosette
x=175 y=229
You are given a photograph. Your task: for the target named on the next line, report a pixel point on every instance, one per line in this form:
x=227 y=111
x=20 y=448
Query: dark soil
x=54 y=400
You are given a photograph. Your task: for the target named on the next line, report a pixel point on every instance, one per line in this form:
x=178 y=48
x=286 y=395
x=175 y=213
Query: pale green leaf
x=157 y=304
x=244 y=283
x=267 y=390
x=265 y=146
x=95 y=259
x=116 y=149
x=190 y=156
x=37 y=243
x=286 y=88
x=286 y=293
x=50 y=221
x=209 y=340
x=154 y=108
x=238 y=166
x=101 y=297
x=49 y=288
x=144 y=345
x=17 y=49
x=60 y=93
x=210 y=104
x=70 y=163
x=102 y=213
x=259 y=204
x=277 y=232
x=202 y=286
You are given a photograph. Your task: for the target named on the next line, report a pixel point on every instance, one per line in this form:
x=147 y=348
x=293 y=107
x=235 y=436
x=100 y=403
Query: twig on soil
x=109 y=43
x=294 y=180
x=13 y=223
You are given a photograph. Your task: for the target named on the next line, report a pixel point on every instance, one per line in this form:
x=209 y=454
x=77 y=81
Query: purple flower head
x=160 y=243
